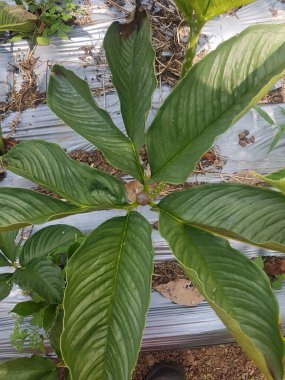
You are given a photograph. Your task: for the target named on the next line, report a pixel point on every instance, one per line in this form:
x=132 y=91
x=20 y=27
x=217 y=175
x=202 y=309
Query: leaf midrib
x=235 y=119
x=114 y=292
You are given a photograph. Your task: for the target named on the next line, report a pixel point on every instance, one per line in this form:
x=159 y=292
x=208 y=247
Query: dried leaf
x=180 y=292
x=247 y=177
x=275 y=268
x=133 y=188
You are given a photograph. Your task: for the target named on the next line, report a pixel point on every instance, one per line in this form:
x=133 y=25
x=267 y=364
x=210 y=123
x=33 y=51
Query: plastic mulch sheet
x=168 y=325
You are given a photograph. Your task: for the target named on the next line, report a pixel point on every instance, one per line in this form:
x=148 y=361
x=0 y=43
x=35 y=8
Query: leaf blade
x=7 y=244
x=17 y=19
x=33 y=368
x=131 y=57
x=6 y=284
x=49 y=240
x=48 y=165
x=118 y=286
x=208 y=9
x=70 y=99
x=237 y=290
x=227 y=84
x=219 y=208
x=22 y=207
x=44 y=277
x=27 y=308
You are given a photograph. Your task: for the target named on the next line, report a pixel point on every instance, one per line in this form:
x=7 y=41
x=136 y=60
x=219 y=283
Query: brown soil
x=28 y=96
x=223 y=362
x=166 y=271
x=95 y=159
x=275 y=96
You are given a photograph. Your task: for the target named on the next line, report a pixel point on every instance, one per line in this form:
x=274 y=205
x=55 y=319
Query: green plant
x=270 y=121
x=108 y=276
x=39 y=271
x=42 y=18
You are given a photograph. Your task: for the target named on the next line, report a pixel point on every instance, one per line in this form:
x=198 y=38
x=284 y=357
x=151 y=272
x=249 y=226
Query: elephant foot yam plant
x=101 y=293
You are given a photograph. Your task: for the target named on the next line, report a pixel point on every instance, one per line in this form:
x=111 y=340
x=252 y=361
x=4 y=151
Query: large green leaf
x=48 y=165
x=131 y=57
x=27 y=308
x=8 y=247
x=207 y=9
x=276 y=179
x=16 y=19
x=247 y=213
x=34 y=368
x=44 y=277
x=236 y=289
x=106 y=299
x=212 y=96
x=48 y=241
x=6 y=284
x=70 y=99
x=22 y=207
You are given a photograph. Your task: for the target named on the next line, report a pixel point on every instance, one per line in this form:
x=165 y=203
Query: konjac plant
x=108 y=275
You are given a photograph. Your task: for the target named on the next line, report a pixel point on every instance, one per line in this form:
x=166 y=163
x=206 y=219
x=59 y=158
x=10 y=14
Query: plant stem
x=195 y=29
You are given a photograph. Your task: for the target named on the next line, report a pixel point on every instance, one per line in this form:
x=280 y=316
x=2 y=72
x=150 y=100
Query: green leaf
x=42 y=40
x=276 y=179
x=27 y=308
x=48 y=165
x=6 y=284
x=237 y=290
x=277 y=137
x=34 y=368
x=131 y=58
x=4 y=261
x=258 y=261
x=264 y=115
x=207 y=9
x=43 y=277
x=55 y=333
x=15 y=18
x=69 y=97
x=49 y=316
x=22 y=207
x=251 y=214
x=48 y=241
x=106 y=299
x=277 y=283
x=8 y=246
x=212 y=96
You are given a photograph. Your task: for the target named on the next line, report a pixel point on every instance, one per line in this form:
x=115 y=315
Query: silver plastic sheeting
x=168 y=325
